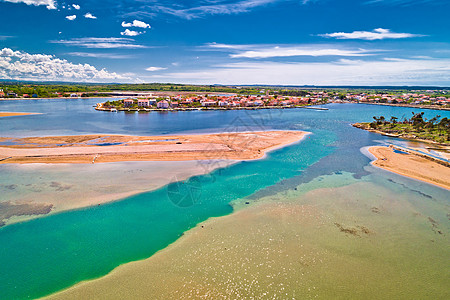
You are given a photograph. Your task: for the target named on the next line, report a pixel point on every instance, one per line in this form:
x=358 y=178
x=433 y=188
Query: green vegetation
x=64 y=90
x=293 y=93
x=436 y=129
x=49 y=90
x=116 y=104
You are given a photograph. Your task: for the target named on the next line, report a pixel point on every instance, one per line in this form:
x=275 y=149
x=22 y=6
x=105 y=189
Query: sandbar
x=32 y=190
x=12 y=114
x=115 y=148
x=411 y=165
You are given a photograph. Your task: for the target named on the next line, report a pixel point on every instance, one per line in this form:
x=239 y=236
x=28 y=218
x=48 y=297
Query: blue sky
x=291 y=42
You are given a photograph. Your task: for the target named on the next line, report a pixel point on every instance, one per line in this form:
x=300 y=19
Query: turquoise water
x=45 y=255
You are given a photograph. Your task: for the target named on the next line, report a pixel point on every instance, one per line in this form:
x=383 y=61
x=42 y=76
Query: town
x=154 y=96
x=274 y=99
x=406 y=98
x=204 y=101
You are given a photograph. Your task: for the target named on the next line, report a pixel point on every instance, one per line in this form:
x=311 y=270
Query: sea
x=50 y=253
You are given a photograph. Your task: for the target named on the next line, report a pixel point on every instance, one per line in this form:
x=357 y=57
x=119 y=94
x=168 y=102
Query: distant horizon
x=227 y=85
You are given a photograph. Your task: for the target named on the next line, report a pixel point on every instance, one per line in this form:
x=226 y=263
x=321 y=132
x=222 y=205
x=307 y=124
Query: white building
x=143 y=102
x=163 y=104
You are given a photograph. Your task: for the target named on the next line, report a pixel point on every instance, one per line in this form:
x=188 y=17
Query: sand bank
x=296 y=247
x=102 y=148
x=12 y=114
x=411 y=165
x=33 y=190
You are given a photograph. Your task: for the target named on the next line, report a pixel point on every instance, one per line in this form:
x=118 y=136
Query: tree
x=393 y=121
x=417 y=120
x=379 y=120
x=432 y=122
x=444 y=125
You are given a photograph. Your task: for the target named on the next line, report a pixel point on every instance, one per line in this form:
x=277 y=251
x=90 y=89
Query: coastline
x=433 y=107
x=412 y=166
x=101 y=149
x=204 y=108
x=366 y=127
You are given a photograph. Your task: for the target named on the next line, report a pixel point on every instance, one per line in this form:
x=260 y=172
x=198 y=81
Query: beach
x=116 y=148
x=411 y=165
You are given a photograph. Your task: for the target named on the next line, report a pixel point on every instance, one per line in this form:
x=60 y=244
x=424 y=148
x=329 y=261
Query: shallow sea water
x=335 y=237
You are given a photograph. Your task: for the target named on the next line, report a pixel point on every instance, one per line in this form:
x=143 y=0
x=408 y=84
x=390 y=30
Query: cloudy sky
x=290 y=42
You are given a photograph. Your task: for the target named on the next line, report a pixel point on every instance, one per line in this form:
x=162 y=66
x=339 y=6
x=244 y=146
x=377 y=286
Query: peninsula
x=416 y=162
x=435 y=130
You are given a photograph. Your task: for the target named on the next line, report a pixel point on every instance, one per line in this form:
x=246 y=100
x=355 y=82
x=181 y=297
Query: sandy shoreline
x=412 y=166
x=102 y=148
x=13 y=114
x=433 y=107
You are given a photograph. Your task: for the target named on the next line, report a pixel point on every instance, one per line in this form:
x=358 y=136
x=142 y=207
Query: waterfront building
x=163 y=104
x=209 y=103
x=128 y=102
x=143 y=102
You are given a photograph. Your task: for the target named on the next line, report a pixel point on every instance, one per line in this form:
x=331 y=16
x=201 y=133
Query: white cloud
x=226 y=46
x=101 y=43
x=376 y=34
x=90 y=16
x=76 y=6
x=136 y=23
x=20 y=65
x=128 y=32
x=153 y=69
x=288 y=51
x=71 y=18
x=50 y=4
x=421 y=57
x=268 y=51
x=215 y=7
x=340 y=72
x=101 y=55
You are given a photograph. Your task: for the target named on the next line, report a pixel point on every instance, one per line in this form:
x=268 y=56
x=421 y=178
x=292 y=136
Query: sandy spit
x=412 y=166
